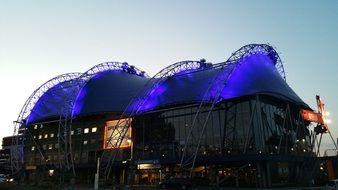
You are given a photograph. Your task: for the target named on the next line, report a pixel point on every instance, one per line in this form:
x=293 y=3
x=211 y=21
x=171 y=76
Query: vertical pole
x=96 y=182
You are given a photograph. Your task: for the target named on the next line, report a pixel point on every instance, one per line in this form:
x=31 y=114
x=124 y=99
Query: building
x=236 y=123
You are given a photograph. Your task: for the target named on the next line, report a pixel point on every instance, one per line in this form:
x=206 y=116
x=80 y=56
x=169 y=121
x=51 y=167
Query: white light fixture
x=50 y=172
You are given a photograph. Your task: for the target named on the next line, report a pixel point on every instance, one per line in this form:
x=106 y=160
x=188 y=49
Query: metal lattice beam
x=213 y=95
x=67 y=115
x=136 y=105
x=17 y=154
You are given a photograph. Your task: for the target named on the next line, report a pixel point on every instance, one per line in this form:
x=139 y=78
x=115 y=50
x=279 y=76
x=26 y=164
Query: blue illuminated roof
x=111 y=90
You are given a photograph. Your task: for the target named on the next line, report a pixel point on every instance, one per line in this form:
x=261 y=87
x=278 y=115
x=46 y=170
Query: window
x=78 y=131
x=33 y=148
x=34 y=136
x=56 y=145
x=94 y=129
x=40 y=136
x=46 y=136
x=85 y=142
x=110 y=132
x=51 y=135
x=86 y=130
x=41 y=126
x=50 y=146
x=44 y=147
x=92 y=141
x=72 y=132
x=35 y=126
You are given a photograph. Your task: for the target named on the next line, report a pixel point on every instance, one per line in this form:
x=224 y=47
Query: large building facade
x=235 y=123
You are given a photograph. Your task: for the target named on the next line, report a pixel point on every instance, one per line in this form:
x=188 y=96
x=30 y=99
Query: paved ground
x=29 y=187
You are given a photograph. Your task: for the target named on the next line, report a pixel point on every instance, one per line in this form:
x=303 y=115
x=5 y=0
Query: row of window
x=54 y=158
x=56 y=145
x=78 y=131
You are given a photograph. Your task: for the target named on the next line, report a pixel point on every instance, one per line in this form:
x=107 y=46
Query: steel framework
x=67 y=115
x=136 y=106
x=17 y=154
x=213 y=95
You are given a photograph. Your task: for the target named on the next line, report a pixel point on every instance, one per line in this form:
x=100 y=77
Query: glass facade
x=253 y=125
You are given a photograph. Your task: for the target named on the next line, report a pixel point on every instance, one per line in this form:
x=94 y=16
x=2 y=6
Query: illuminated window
x=46 y=136
x=85 y=142
x=72 y=133
x=50 y=146
x=34 y=137
x=35 y=126
x=51 y=135
x=33 y=148
x=109 y=129
x=40 y=136
x=86 y=130
x=41 y=126
x=94 y=129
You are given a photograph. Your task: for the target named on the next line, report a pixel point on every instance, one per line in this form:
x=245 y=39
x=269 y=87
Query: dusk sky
x=43 y=39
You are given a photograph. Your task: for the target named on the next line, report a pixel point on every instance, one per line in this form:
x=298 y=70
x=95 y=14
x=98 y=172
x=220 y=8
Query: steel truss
x=136 y=106
x=19 y=135
x=66 y=161
x=213 y=95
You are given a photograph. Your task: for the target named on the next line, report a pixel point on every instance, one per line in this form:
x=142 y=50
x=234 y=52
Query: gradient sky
x=42 y=39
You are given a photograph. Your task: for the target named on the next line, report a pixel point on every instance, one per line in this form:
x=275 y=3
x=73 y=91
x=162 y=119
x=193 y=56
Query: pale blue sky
x=42 y=39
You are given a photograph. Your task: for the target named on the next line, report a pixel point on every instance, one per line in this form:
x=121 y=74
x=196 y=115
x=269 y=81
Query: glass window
x=78 y=131
x=86 y=130
x=33 y=148
x=56 y=145
x=50 y=146
x=51 y=135
x=40 y=136
x=35 y=126
x=41 y=126
x=92 y=141
x=85 y=142
x=34 y=137
x=44 y=147
x=110 y=132
x=94 y=129
x=46 y=136
x=72 y=132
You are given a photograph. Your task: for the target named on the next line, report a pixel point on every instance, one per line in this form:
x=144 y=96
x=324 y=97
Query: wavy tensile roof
x=254 y=69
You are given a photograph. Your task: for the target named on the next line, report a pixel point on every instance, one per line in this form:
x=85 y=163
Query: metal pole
x=96 y=182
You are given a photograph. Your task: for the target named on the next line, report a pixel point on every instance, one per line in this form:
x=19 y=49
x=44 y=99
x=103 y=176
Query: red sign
x=312 y=116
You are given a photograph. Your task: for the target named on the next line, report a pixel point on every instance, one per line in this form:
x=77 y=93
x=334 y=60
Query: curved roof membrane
x=254 y=69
